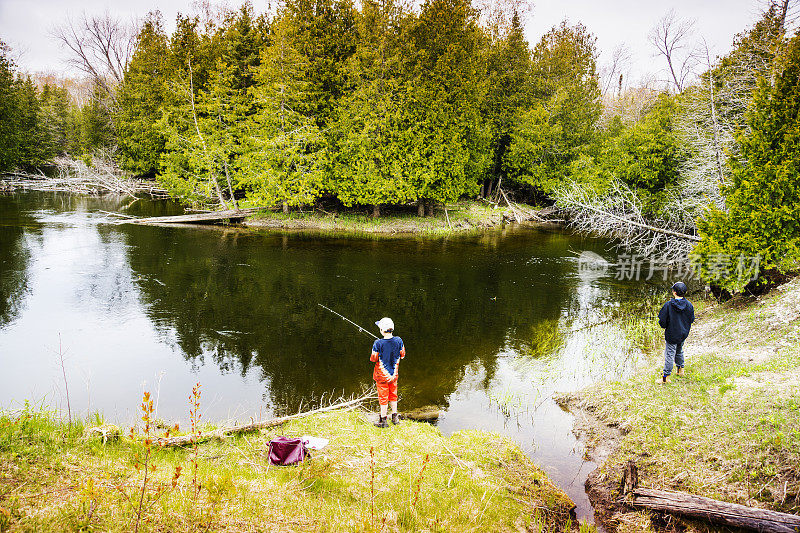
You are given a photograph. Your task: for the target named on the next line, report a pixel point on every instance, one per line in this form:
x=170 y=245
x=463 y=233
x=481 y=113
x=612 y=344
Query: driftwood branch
x=619 y=213
x=682 y=503
x=729 y=514
x=647 y=227
x=197 y=218
x=75 y=176
x=184 y=440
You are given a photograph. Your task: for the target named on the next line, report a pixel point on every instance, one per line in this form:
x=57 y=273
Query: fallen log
x=213 y=216
x=184 y=440
x=729 y=514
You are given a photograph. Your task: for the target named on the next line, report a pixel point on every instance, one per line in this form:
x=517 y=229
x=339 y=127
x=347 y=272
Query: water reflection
x=492 y=323
x=14 y=257
x=250 y=300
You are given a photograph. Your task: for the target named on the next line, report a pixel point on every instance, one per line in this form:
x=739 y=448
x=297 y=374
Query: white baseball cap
x=385 y=324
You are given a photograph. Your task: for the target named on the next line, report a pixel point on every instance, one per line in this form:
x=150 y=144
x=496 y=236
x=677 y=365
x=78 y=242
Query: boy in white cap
x=386 y=354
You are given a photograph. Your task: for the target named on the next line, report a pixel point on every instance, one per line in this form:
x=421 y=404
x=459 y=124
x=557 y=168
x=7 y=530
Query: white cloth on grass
x=314 y=443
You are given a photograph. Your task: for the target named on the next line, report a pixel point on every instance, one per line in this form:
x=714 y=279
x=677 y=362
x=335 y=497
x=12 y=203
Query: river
x=489 y=321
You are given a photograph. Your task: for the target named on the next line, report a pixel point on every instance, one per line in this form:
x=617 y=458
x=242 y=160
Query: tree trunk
x=421 y=207
x=285 y=207
x=729 y=514
x=429 y=208
x=376 y=210
x=184 y=440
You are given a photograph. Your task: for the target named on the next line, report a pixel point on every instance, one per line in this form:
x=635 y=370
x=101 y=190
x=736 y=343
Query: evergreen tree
x=141 y=99
x=9 y=112
x=34 y=144
x=449 y=152
x=550 y=136
x=96 y=123
x=509 y=94
x=763 y=200
x=324 y=32
x=56 y=120
x=282 y=165
x=367 y=150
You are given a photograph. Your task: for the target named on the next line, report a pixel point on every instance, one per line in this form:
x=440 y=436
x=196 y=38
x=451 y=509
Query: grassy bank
x=406 y=478
x=729 y=429
x=463 y=217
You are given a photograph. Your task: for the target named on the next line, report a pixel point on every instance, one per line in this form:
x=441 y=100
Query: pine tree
x=56 y=118
x=207 y=106
x=282 y=163
x=141 y=98
x=9 y=112
x=367 y=150
x=508 y=95
x=324 y=33
x=763 y=201
x=449 y=152
x=550 y=136
x=95 y=121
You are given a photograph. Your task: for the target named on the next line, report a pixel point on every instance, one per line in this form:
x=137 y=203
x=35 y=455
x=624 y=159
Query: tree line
x=41 y=122
x=382 y=105
x=373 y=106
x=376 y=105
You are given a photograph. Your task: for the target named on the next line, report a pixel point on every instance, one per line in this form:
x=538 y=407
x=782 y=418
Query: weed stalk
x=147 y=412
x=194 y=417
x=64 y=374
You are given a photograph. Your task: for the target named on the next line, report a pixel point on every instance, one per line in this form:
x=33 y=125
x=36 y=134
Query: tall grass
x=405 y=478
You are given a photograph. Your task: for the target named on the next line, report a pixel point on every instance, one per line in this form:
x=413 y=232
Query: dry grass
x=54 y=479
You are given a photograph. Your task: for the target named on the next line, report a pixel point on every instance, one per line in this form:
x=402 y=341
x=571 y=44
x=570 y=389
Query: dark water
x=487 y=321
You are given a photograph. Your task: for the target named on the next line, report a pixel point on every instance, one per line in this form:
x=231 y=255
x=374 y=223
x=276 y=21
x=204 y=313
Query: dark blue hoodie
x=676 y=318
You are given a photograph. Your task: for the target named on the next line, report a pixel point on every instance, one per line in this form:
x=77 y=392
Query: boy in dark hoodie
x=676 y=318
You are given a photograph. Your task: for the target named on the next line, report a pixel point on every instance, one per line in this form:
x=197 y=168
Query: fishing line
x=347 y=319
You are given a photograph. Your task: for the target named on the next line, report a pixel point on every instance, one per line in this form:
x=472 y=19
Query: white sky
x=25 y=24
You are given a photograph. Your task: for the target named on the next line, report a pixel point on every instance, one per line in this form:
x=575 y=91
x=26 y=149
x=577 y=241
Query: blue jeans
x=672 y=353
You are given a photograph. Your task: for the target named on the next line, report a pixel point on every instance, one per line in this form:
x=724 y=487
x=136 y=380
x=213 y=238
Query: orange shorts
x=387 y=391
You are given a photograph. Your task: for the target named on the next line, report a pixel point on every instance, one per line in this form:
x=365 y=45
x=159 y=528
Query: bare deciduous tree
x=672 y=37
x=100 y=46
x=711 y=139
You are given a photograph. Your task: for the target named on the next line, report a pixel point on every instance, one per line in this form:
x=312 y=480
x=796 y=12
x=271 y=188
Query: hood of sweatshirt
x=679 y=304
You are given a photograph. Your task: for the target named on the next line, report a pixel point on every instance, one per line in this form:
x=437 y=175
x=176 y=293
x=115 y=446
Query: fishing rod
x=347 y=319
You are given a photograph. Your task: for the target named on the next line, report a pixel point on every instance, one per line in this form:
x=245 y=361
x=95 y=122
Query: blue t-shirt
x=387 y=354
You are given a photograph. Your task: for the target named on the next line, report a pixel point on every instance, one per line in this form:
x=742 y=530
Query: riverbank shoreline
x=454 y=219
x=728 y=430
x=58 y=477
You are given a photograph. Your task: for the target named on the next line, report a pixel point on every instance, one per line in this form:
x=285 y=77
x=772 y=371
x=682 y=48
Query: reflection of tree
x=14 y=258
x=249 y=300
x=23 y=219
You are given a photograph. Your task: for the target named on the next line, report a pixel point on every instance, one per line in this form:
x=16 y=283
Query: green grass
x=729 y=429
x=405 y=478
x=465 y=217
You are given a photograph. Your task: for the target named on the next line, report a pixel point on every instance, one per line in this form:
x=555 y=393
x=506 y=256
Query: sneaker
x=395 y=419
x=382 y=423
x=681 y=373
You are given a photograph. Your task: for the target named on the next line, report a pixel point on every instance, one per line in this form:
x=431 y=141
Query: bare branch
x=672 y=38
x=99 y=46
x=619 y=65
x=619 y=214
x=497 y=15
